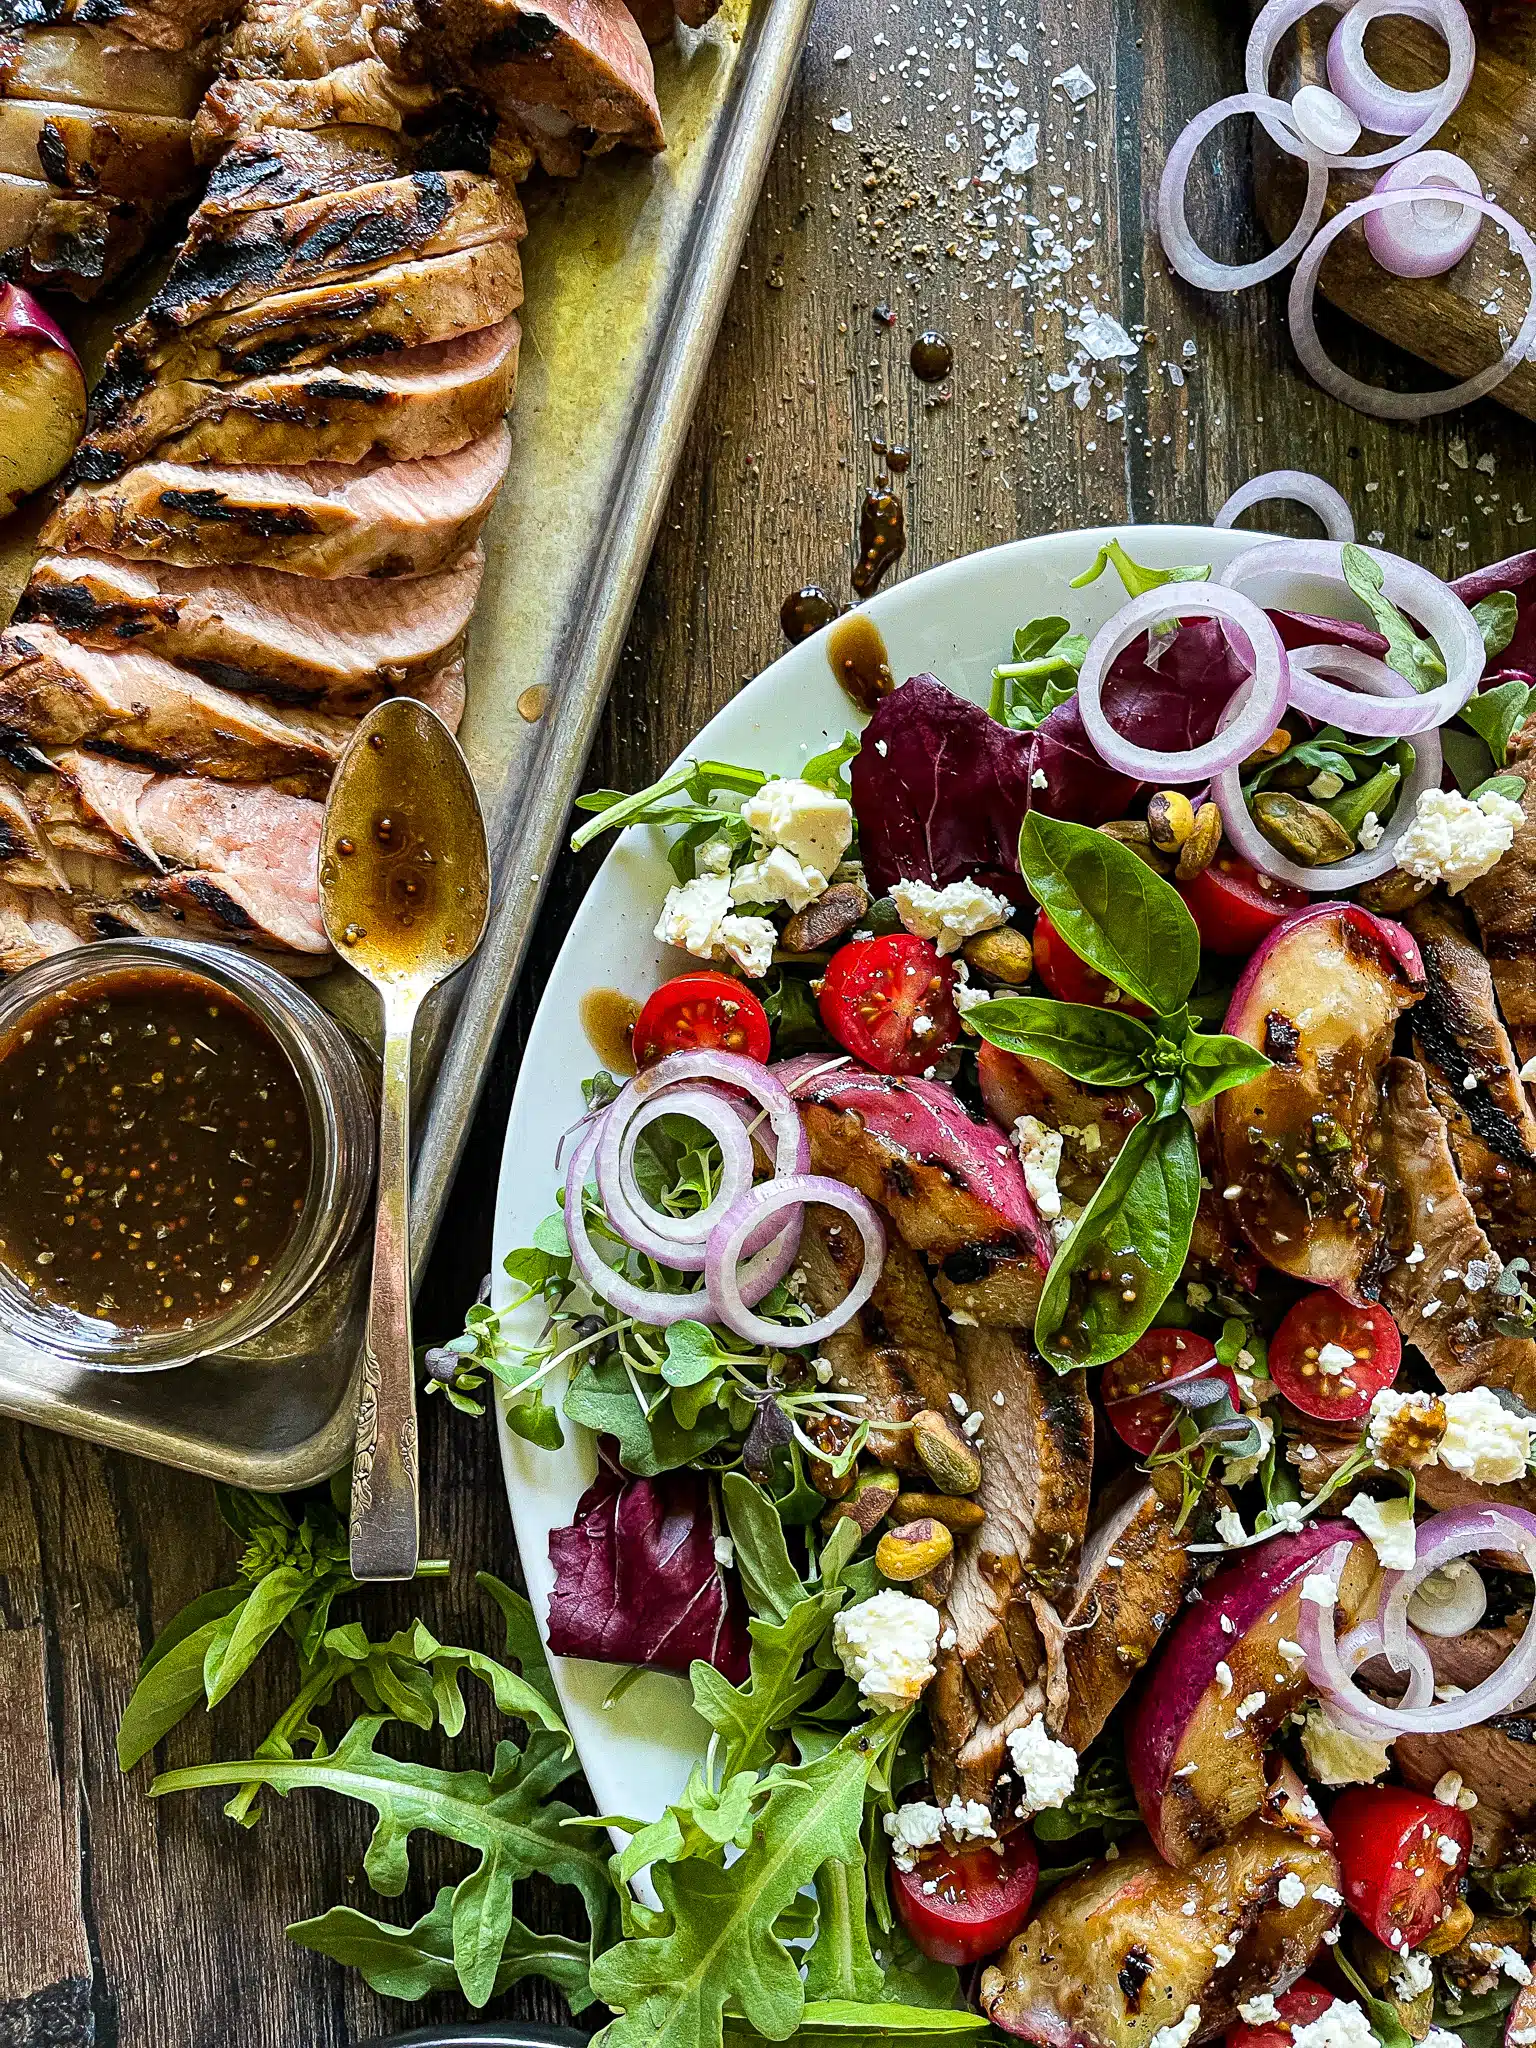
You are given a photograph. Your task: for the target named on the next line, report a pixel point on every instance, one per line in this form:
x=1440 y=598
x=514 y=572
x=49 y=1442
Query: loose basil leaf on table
x=1112 y=910
x=1105 y=1048
x=1143 y=1212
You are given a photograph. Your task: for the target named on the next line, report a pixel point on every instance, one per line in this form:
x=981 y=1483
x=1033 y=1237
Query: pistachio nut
x=873 y=1496
x=1199 y=849
x=913 y=1550
x=1311 y=836
x=958 y=1514
x=1170 y=820
x=1004 y=955
x=950 y=1462
x=1132 y=834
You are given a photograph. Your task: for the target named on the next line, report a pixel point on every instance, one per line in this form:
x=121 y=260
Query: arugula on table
x=1134 y=928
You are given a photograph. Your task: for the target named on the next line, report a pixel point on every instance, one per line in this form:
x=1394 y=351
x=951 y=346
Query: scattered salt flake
x=841 y=124
x=1104 y=338
x=1023 y=151
x=1076 y=84
x=841 y=56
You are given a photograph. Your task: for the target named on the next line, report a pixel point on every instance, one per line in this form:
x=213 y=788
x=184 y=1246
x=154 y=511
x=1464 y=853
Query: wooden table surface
x=161 y=1926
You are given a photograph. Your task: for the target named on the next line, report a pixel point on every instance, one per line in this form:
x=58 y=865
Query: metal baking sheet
x=628 y=269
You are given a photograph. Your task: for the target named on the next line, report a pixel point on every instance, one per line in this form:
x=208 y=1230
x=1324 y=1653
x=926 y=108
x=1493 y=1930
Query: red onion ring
x=1439 y=232
x=1296 y=487
x=1385 y=714
x=1386 y=108
x=1433 y=604
x=1402 y=405
x=1256 y=707
x=1280 y=16
x=1184 y=253
x=1498 y=1529
x=677 y=1241
x=730 y=1301
x=1362 y=1644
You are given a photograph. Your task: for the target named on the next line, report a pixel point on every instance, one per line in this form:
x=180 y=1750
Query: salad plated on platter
x=1010 y=1331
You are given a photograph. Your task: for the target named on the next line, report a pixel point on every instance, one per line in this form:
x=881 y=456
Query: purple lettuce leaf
x=636 y=1576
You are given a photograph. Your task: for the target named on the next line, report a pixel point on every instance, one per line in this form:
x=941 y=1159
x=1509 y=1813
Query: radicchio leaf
x=636 y=1576
x=1517 y=574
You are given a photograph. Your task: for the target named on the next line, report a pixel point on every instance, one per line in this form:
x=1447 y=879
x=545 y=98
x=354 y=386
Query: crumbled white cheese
x=1442 y=2037
x=1180 y=2032
x=1249 y=1705
x=1453 y=839
x=1415 y=1257
x=1238 y=1471
x=1229 y=1527
x=697 y=916
x=725 y=1552
x=1337 y=1757
x=1390 y=1526
x=1290 y=1890
x=777 y=878
x=1039 y=1149
x=1224 y=1678
x=1046 y=1768
x=1341 y=2025
x=886 y=1646
x=1326 y=1895
x=1259 y=2011
x=1528 y=1071
x=1514 y=1965
x=1448 y=1851
x=969 y=1820
x=1222 y=1953
x=1484 y=1440
x=911 y=1828
x=1333 y=1358
x=1414 y=1974
x=1319 y=1589
x=713 y=857
x=811 y=823
x=957 y=911
x=1369 y=834
x=1039 y=779
x=1293 y=1653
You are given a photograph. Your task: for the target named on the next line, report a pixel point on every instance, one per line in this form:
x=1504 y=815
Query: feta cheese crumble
x=1414 y=1974
x=1390 y=1526
x=1258 y=2012
x=1453 y=839
x=957 y=911
x=1341 y=2025
x=777 y=878
x=1039 y=1149
x=810 y=823
x=1333 y=1358
x=1180 y=2032
x=886 y=1646
x=1484 y=1440
x=1046 y=1768
x=1335 y=1756
x=1290 y=1890
x=912 y=1828
x=698 y=917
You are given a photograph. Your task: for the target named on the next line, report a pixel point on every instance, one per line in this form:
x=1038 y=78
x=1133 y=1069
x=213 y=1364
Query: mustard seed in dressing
x=154 y=1150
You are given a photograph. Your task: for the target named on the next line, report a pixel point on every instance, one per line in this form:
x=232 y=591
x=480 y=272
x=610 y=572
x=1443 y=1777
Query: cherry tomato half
x=1298 y=2007
x=980 y=1898
x=1234 y=906
x=1299 y=1362
x=1071 y=980
x=701 y=1013
x=890 y=1002
x=1396 y=1875
x=1138 y=1415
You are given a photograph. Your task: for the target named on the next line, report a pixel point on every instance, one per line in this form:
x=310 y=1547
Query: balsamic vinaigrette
x=154 y=1150
x=609 y=1017
x=882 y=538
x=806 y=611
x=931 y=357
x=859 y=660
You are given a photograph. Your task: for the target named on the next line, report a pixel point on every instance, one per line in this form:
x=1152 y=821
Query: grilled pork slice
x=1037 y=1457
x=63 y=242
x=84 y=149
x=324 y=519
x=1444 y=1301
x=1474 y=1081
x=101 y=68
x=558 y=67
x=156 y=24
x=1504 y=903
x=139 y=708
x=269 y=170
x=425 y=401
x=897 y=1352
x=339 y=645
x=32 y=928
x=309 y=64
x=402 y=306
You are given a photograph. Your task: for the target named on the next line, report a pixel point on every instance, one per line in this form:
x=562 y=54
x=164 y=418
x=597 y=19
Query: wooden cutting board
x=1446 y=321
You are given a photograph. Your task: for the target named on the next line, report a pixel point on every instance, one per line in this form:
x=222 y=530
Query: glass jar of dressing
x=186 y=1144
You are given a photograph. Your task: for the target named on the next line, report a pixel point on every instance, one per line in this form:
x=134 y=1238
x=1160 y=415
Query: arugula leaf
x=1408 y=652
x=719 y=1942
x=1497 y=616
x=681 y=797
x=411 y=1962
x=1106 y=1048
x=1139 y=1221
x=1047 y=656
x=746 y=1717
x=1136 y=579
x=1213 y=1062
x=1496 y=715
x=831 y=2017
x=840 y=1964
x=772 y=1585
x=1112 y=910
x=829 y=770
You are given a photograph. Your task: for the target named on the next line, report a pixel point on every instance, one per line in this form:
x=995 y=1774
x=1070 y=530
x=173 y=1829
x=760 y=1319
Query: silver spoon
x=404 y=892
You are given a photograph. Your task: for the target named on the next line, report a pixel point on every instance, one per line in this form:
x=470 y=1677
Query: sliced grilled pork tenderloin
x=92 y=150
x=339 y=645
x=276 y=169
x=103 y=68
x=33 y=927
x=156 y=24
x=139 y=708
x=1504 y=903
x=324 y=519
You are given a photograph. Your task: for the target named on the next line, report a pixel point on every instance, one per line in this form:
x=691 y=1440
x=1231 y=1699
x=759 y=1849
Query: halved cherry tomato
x=1397 y=1876
x=1234 y=906
x=980 y=1898
x=1299 y=1365
x=890 y=1002
x=1138 y=1414
x=701 y=1013
x=1298 y=2007
x=1072 y=980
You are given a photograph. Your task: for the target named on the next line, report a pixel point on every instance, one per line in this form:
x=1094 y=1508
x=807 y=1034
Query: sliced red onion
x=1387 y=713
x=1386 y=109
x=730 y=1301
x=677 y=1241
x=1403 y=405
x=1448 y=1606
x=1489 y=1529
x=1280 y=16
x=1438 y=231
x=1296 y=487
x=1253 y=713
x=1362 y=1644
x=1433 y=605
x=1184 y=253
x=1322 y=118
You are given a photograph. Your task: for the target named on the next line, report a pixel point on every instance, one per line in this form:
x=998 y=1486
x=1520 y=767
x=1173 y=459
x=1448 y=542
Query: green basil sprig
x=1128 y=1248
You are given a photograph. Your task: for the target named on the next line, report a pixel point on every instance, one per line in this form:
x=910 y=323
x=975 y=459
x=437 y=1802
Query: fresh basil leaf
x=166 y=1693
x=1138 y=1224
x=829 y=770
x=1408 y=652
x=1468 y=757
x=195 y=1615
x=797 y=1025
x=1112 y=910
x=1213 y=1062
x=1497 y=616
x=772 y=1585
x=1496 y=715
x=1137 y=580
x=1106 y=1048
x=245 y=1631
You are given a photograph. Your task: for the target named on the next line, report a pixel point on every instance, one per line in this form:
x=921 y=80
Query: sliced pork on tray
x=274 y=516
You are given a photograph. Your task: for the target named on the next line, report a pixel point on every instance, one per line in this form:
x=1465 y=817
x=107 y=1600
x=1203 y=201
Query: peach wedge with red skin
x=1222 y=1685
x=1129 y=1946
x=1321 y=998
x=42 y=398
